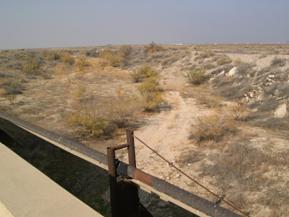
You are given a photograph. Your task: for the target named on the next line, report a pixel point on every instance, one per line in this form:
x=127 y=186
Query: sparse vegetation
x=213 y=127
x=153 y=47
x=244 y=68
x=223 y=60
x=152 y=93
x=143 y=73
x=82 y=63
x=67 y=58
x=93 y=120
x=31 y=66
x=196 y=76
x=114 y=58
x=53 y=56
x=13 y=87
x=278 y=62
x=240 y=112
x=204 y=55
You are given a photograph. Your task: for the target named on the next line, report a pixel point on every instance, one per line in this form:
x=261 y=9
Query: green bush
x=152 y=93
x=143 y=73
x=196 y=76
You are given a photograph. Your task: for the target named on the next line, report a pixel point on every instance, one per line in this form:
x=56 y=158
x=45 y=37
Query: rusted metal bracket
x=124 y=199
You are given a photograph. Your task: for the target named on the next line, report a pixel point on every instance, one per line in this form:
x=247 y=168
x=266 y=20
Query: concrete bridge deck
x=26 y=192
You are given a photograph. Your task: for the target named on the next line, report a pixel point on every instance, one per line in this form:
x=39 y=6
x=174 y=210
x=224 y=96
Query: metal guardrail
x=169 y=192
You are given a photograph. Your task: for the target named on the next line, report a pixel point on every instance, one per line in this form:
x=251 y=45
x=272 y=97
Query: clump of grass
x=82 y=63
x=205 y=55
x=31 y=66
x=213 y=127
x=67 y=59
x=125 y=50
x=2 y=92
x=92 y=119
x=79 y=92
x=278 y=62
x=209 y=65
x=143 y=73
x=53 y=56
x=223 y=60
x=196 y=76
x=244 y=68
x=152 y=93
x=124 y=110
x=89 y=124
x=12 y=87
x=240 y=112
x=114 y=58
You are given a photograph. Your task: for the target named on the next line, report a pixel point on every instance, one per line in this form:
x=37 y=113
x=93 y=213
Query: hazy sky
x=62 y=23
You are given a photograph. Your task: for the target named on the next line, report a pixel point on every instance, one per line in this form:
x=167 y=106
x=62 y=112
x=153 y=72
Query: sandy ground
x=168 y=133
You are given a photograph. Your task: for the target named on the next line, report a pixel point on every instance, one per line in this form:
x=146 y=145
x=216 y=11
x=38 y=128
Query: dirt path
x=168 y=132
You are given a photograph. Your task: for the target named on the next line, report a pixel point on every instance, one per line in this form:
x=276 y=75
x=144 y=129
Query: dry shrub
x=53 y=55
x=223 y=60
x=2 y=92
x=213 y=127
x=205 y=55
x=278 y=62
x=210 y=100
x=196 y=76
x=12 y=87
x=89 y=124
x=79 y=92
x=114 y=58
x=143 y=73
x=153 y=47
x=152 y=93
x=124 y=109
x=61 y=68
x=93 y=119
x=125 y=50
x=208 y=66
x=240 y=112
x=67 y=58
x=204 y=96
x=31 y=66
x=244 y=68
x=82 y=63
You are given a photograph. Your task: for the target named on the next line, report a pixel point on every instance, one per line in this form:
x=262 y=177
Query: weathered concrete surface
x=26 y=192
x=4 y=211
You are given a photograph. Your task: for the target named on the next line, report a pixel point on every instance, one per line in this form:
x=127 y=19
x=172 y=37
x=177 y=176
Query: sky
x=73 y=23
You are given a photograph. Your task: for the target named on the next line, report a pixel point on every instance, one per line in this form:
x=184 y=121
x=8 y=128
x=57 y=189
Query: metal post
x=131 y=148
x=124 y=198
x=114 y=203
